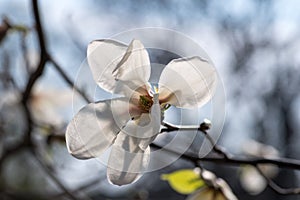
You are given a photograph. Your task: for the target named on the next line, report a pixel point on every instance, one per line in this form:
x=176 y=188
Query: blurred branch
x=5 y=75
x=24 y=52
x=27 y=140
x=68 y=80
x=43 y=56
x=80 y=188
x=11 y=151
x=51 y=175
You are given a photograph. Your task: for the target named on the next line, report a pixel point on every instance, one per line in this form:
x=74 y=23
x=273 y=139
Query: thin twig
x=24 y=52
x=68 y=80
x=280 y=162
x=51 y=175
x=80 y=188
x=11 y=151
x=203 y=129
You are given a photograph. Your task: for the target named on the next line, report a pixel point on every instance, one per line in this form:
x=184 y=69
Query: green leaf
x=185 y=181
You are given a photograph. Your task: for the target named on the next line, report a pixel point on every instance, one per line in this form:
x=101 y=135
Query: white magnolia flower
x=130 y=123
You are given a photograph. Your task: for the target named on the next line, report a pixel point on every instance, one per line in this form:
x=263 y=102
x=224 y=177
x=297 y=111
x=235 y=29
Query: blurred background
x=254 y=45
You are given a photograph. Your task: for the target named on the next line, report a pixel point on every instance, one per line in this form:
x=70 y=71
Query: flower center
x=145 y=103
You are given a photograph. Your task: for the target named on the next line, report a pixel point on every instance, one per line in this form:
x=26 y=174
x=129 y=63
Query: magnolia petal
x=93 y=129
x=193 y=86
x=134 y=66
x=217 y=186
x=114 y=65
x=103 y=56
x=210 y=193
x=127 y=160
x=205 y=193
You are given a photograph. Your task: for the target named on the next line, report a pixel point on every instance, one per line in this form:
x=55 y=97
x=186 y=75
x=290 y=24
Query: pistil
x=145 y=102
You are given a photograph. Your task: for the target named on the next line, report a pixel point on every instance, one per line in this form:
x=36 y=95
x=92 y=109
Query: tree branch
x=280 y=162
x=27 y=140
x=203 y=129
x=229 y=159
x=43 y=56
